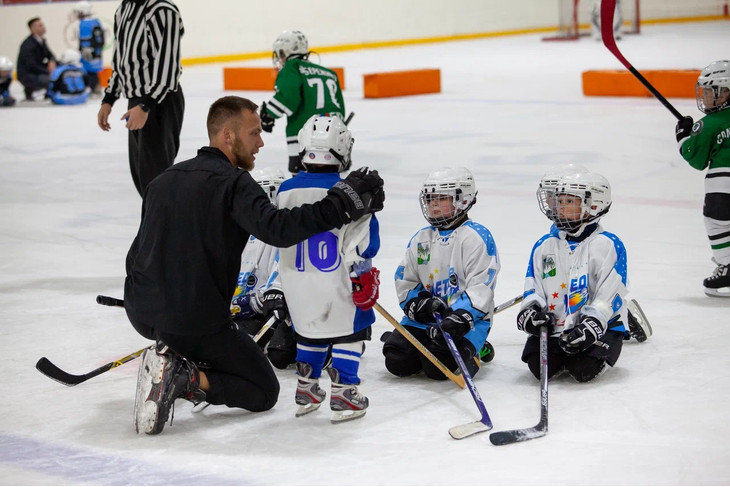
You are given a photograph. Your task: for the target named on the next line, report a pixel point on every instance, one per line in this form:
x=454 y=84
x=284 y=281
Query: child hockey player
x=258 y=295
x=67 y=85
x=328 y=279
x=706 y=144
x=91 y=44
x=303 y=89
x=576 y=281
x=450 y=267
x=6 y=77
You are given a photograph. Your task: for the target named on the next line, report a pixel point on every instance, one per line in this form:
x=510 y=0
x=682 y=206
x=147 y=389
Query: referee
x=146 y=70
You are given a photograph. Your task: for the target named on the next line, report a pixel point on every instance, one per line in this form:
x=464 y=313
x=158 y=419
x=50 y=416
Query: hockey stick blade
x=50 y=370
x=468 y=429
x=513 y=436
x=608 y=9
x=109 y=301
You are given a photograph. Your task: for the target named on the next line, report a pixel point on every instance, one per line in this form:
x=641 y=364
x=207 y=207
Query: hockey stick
x=508 y=304
x=349 y=118
x=608 y=8
x=49 y=369
x=456 y=379
x=484 y=424
x=109 y=301
x=513 y=436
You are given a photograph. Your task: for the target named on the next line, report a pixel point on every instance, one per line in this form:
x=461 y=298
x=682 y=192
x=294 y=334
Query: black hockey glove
x=684 y=128
x=582 y=336
x=457 y=323
x=359 y=193
x=267 y=121
x=422 y=308
x=273 y=302
x=532 y=318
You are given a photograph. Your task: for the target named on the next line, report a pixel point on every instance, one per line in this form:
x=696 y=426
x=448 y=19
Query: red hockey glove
x=365 y=289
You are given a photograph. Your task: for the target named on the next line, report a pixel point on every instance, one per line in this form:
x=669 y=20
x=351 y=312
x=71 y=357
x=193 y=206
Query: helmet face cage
x=458 y=185
x=551 y=178
x=269 y=179
x=326 y=140
x=712 y=90
x=287 y=44
x=593 y=191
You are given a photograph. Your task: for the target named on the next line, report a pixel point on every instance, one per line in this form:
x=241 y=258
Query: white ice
x=510 y=108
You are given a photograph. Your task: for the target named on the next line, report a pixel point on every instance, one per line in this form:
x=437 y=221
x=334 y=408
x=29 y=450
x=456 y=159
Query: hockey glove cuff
x=273 y=302
x=582 y=336
x=359 y=193
x=532 y=318
x=457 y=323
x=267 y=121
x=422 y=308
x=366 y=289
x=684 y=128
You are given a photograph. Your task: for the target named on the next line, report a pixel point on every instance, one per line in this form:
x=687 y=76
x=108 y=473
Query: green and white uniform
x=304 y=89
x=708 y=146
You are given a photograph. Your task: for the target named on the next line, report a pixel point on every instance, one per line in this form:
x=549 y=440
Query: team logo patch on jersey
x=548 y=266
x=697 y=127
x=423 y=253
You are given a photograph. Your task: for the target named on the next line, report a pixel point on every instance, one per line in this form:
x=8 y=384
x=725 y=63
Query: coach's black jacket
x=197 y=216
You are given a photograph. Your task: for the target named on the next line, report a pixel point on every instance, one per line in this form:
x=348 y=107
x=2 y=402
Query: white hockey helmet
x=713 y=87
x=83 y=8
x=552 y=176
x=6 y=64
x=594 y=192
x=289 y=43
x=269 y=179
x=458 y=183
x=326 y=140
x=71 y=56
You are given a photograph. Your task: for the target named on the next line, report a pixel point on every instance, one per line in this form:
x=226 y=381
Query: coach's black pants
x=153 y=148
x=240 y=376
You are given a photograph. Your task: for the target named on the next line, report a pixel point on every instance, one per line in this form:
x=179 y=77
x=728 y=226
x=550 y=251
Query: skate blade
x=146 y=377
x=307 y=408
x=469 y=429
x=200 y=407
x=639 y=326
x=722 y=292
x=347 y=415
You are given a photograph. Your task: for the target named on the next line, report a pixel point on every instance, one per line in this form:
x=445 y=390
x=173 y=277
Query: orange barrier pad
x=402 y=83
x=671 y=83
x=260 y=79
x=104 y=75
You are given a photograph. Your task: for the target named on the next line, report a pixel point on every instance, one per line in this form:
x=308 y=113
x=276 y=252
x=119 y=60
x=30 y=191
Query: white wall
x=221 y=27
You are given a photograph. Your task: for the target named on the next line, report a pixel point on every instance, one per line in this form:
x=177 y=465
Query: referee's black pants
x=153 y=148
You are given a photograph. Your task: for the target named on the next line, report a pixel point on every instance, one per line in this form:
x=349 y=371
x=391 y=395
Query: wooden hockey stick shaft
x=608 y=8
x=456 y=379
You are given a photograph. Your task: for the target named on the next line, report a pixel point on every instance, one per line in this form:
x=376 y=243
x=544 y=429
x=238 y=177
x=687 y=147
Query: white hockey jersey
x=572 y=278
x=259 y=269
x=460 y=265
x=315 y=274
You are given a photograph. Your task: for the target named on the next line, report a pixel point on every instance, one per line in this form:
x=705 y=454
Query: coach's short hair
x=223 y=109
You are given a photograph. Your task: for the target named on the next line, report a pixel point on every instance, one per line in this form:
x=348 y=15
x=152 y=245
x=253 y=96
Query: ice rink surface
x=510 y=108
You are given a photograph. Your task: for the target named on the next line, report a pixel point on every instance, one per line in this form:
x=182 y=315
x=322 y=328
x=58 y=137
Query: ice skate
x=163 y=377
x=718 y=284
x=346 y=402
x=639 y=327
x=309 y=395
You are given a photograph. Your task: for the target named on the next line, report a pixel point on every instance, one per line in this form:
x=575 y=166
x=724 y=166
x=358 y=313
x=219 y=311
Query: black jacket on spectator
x=197 y=217
x=33 y=60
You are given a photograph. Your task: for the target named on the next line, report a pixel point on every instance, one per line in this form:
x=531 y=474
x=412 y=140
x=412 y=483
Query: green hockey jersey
x=304 y=89
x=709 y=142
